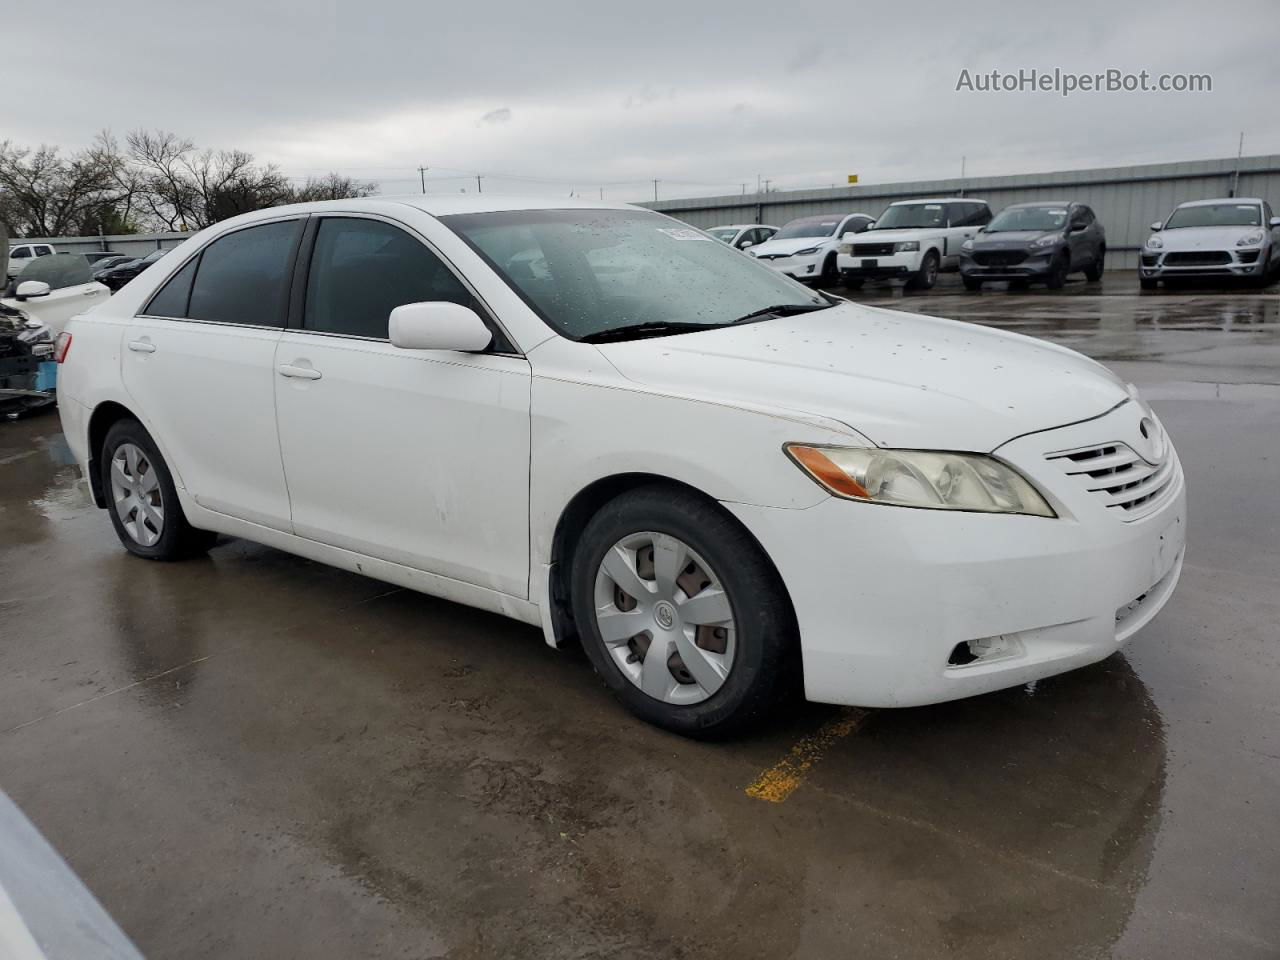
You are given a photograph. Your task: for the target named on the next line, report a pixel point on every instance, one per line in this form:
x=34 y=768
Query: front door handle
x=142 y=346
x=298 y=373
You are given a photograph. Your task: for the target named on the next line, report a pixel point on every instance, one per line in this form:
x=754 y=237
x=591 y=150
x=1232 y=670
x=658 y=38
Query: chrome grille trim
x=1124 y=483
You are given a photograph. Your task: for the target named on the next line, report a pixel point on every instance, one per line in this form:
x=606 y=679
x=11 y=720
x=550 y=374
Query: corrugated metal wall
x=132 y=244
x=1126 y=199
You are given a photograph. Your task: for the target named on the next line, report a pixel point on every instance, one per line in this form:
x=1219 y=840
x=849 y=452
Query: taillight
x=61 y=347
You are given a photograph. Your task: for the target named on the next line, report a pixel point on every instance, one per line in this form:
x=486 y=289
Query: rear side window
x=20 y=253
x=59 y=270
x=244 y=276
x=172 y=299
x=362 y=269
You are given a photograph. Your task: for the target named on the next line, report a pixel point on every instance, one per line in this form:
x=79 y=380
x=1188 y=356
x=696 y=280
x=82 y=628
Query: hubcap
x=135 y=492
x=665 y=618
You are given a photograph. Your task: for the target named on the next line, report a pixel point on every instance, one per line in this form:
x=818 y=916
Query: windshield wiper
x=782 y=310
x=650 y=328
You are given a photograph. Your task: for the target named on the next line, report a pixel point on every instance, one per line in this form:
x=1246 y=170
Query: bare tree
x=332 y=186
x=44 y=194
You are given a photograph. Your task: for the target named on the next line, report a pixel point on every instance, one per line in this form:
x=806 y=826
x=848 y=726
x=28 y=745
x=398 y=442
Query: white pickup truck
x=21 y=254
x=913 y=240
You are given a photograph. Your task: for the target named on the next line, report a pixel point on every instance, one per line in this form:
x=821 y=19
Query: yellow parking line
x=780 y=781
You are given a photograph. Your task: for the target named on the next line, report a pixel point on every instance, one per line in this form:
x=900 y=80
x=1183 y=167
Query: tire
x=927 y=275
x=622 y=549
x=971 y=283
x=830 y=276
x=141 y=497
x=852 y=283
x=1093 y=272
x=1148 y=283
x=1057 y=277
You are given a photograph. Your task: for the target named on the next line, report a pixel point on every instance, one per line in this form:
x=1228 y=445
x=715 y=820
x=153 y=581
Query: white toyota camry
x=604 y=423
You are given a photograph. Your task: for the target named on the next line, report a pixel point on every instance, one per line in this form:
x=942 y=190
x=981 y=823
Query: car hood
x=896 y=235
x=901 y=380
x=789 y=246
x=1010 y=238
x=1204 y=238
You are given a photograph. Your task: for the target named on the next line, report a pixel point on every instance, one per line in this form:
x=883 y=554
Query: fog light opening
x=983 y=650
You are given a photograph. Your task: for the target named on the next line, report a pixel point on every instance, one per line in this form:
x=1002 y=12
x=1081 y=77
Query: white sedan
x=604 y=423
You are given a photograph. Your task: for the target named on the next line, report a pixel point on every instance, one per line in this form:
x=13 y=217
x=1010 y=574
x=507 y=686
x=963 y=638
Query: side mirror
x=438 y=326
x=848 y=236
x=1157 y=225
x=1274 y=222
x=30 y=289
x=1079 y=227
x=743 y=246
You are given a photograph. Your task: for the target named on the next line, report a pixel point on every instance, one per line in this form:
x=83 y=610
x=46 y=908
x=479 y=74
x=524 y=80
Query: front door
x=419 y=457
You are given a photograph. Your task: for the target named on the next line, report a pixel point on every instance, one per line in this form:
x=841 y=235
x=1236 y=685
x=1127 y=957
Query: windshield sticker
x=1058 y=213
x=933 y=206
x=684 y=233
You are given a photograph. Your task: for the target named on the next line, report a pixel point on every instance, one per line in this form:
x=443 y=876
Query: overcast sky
x=704 y=96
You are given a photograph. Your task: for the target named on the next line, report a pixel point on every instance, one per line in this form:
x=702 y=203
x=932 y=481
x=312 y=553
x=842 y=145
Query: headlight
x=1252 y=240
x=1154 y=243
x=967 y=245
x=921 y=478
x=906 y=246
x=1048 y=241
x=845 y=248
x=806 y=251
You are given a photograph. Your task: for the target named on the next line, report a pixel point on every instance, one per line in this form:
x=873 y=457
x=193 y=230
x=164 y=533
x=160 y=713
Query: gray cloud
x=501 y=115
x=378 y=88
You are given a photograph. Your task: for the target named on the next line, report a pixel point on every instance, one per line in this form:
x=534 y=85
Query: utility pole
x=478 y=179
x=422 y=175
x=1235 y=180
x=602 y=193
x=655 y=190
x=744 y=189
x=766 y=184
x=757 y=183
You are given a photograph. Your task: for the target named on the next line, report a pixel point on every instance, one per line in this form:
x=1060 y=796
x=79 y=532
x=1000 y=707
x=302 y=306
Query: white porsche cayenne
x=599 y=421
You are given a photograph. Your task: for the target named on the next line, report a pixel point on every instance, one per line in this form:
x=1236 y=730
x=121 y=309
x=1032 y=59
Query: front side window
x=362 y=269
x=1216 y=215
x=44 y=251
x=598 y=273
x=909 y=216
x=243 y=277
x=59 y=271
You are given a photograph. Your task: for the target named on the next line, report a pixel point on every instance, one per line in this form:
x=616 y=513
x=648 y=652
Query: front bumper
x=886 y=267
x=800 y=268
x=884 y=596
x=1033 y=267
x=1154 y=265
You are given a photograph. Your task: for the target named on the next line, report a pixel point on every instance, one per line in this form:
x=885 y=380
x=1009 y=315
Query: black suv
x=1040 y=242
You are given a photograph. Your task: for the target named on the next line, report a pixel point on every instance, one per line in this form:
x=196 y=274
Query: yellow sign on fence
x=853 y=178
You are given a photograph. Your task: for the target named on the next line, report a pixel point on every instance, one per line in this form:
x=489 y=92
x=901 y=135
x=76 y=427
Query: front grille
x=873 y=250
x=1196 y=258
x=1125 y=483
x=999 y=258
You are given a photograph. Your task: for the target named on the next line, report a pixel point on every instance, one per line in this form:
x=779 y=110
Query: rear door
x=198 y=362
x=419 y=457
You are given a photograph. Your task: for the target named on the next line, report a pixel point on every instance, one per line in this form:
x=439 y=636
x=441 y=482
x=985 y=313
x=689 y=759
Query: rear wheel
x=971 y=283
x=681 y=612
x=927 y=275
x=141 y=497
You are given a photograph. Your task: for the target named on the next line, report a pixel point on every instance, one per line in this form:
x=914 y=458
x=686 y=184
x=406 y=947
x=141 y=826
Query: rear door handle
x=89 y=293
x=142 y=346
x=299 y=373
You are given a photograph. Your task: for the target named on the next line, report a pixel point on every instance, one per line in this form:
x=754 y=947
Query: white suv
x=913 y=240
x=604 y=423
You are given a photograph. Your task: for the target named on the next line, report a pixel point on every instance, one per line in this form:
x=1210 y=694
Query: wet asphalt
x=252 y=755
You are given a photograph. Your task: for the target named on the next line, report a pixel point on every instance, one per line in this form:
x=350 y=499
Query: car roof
x=904 y=203
x=1041 y=203
x=1234 y=200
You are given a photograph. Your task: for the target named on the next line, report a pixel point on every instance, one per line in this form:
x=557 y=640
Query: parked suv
x=913 y=240
x=805 y=248
x=600 y=422
x=1040 y=242
x=1237 y=237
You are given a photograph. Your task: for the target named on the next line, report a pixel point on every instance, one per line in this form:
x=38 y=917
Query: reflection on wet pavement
x=254 y=755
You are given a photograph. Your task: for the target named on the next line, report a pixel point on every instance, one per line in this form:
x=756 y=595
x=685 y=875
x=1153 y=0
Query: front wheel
x=852 y=282
x=830 y=276
x=927 y=275
x=1057 y=277
x=1093 y=272
x=682 y=614
x=971 y=283
x=1148 y=283
x=141 y=497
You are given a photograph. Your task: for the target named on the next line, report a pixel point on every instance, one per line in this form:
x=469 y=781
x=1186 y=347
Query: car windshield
x=592 y=272
x=909 y=215
x=1216 y=215
x=724 y=233
x=1029 y=218
x=808 y=227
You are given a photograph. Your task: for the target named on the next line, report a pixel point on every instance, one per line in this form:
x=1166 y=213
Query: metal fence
x=1126 y=199
x=132 y=244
